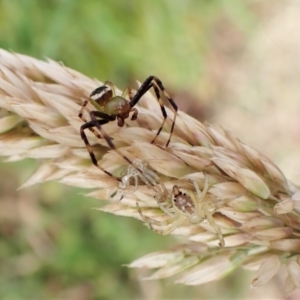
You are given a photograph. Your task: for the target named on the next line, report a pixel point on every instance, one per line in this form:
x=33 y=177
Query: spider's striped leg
x=80 y=115
x=154 y=82
x=89 y=125
x=105 y=119
x=172 y=102
x=98 y=114
x=163 y=111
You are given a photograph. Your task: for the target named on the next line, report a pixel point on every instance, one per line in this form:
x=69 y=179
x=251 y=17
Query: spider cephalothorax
x=110 y=107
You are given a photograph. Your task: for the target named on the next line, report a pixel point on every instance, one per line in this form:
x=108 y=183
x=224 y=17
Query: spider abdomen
x=117 y=106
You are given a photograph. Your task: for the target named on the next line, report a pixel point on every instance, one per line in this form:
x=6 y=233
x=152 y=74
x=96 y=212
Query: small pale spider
x=184 y=207
x=181 y=207
x=110 y=107
x=140 y=171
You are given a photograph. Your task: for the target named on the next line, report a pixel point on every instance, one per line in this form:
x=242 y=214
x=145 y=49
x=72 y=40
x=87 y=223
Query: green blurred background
x=53 y=245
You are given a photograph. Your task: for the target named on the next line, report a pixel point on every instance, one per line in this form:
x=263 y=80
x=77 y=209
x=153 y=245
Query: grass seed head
x=248 y=198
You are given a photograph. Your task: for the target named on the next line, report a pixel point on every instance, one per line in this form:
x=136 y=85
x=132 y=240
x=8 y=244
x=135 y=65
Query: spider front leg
x=89 y=125
x=105 y=118
x=98 y=114
x=153 y=81
x=128 y=92
x=80 y=115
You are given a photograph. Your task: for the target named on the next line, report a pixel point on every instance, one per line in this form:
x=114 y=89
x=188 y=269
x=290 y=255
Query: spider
x=110 y=107
x=181 y=208
x=146 y=175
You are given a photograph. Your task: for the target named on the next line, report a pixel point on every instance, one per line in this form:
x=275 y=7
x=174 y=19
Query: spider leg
x=83 y=108
x=172 y=102
x=112 y=86
x=80 y=115
x=202 y=194
x=172 y=226
x=88 y=125
x=213 y=224
x=98 y=114
x=168 y=227
x=163 y=111
x=153 y=81
x=148 y=220
x=166 y=209
x=204 y=207
x=150 y=176
x=128 y=92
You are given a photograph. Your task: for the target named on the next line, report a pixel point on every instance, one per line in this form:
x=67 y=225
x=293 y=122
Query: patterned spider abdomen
x=185 y=204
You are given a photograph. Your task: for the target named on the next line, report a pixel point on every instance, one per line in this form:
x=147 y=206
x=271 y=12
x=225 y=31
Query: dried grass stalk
x=252 y=203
